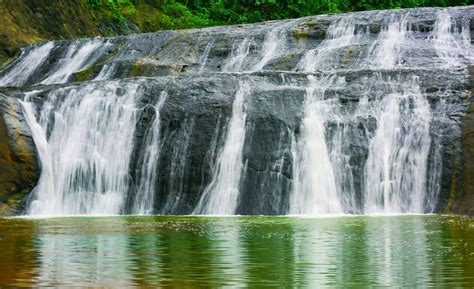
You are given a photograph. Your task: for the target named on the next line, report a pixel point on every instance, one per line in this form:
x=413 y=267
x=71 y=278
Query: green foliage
x=94 y=4
x=152 y=15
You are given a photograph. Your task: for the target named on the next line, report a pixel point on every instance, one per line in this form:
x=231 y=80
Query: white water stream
x=85 y=160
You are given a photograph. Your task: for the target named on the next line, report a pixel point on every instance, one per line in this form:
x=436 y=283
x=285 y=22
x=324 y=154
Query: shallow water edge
x=243 y=251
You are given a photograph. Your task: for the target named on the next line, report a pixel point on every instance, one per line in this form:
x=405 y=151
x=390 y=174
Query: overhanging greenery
x=152 y=15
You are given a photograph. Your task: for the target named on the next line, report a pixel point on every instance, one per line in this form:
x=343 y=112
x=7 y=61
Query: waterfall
x=398 y=153
x=273 y=45
x=23 y=70
x=106 y=72
x=46 y=183
x=386 y=52
x=145 y=196
x=86 y=159
x=325 y=58
x=237 y=58
x=396 y=167
x=314 y=183
x=78 y=57
x=452 y=44
x=221 y=196
x=335 y=114
x=397 y=163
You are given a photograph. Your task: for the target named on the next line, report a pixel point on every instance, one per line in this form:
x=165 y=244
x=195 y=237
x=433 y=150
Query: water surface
x=403 y=251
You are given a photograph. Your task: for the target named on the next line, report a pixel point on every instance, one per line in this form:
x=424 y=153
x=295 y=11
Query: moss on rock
x=86 y=74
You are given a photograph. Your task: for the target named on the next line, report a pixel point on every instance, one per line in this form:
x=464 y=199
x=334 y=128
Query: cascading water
x=398 y=153
x=396 y=167
x=238 y=56
x=76 y=59
x=106 y=72
x=145 y=196
x=26 y=66
x=356 y=113
x=314 y=183
x=314 y=186
x=86 y=160
x=386 y=50
x=325 y=58
x=452 y=44
x=397 y=159
x=47 y=177
x=273 y=45
x=222 y=194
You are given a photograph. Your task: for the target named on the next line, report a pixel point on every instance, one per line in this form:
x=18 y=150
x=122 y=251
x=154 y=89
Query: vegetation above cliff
x=152 y=15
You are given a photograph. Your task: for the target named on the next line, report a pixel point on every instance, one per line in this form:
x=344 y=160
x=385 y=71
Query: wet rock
x=464 y=193
x=19 y=168
x=315 y=29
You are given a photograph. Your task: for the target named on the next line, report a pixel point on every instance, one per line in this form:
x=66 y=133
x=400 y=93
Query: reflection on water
x=404 y=251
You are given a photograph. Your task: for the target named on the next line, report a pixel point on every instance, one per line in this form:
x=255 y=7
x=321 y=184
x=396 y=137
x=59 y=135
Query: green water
x=403 y=251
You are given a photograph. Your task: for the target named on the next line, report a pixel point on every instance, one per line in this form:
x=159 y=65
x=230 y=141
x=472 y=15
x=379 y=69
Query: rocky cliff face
x=18 y=159
x=464 y=202
x=356 y=113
